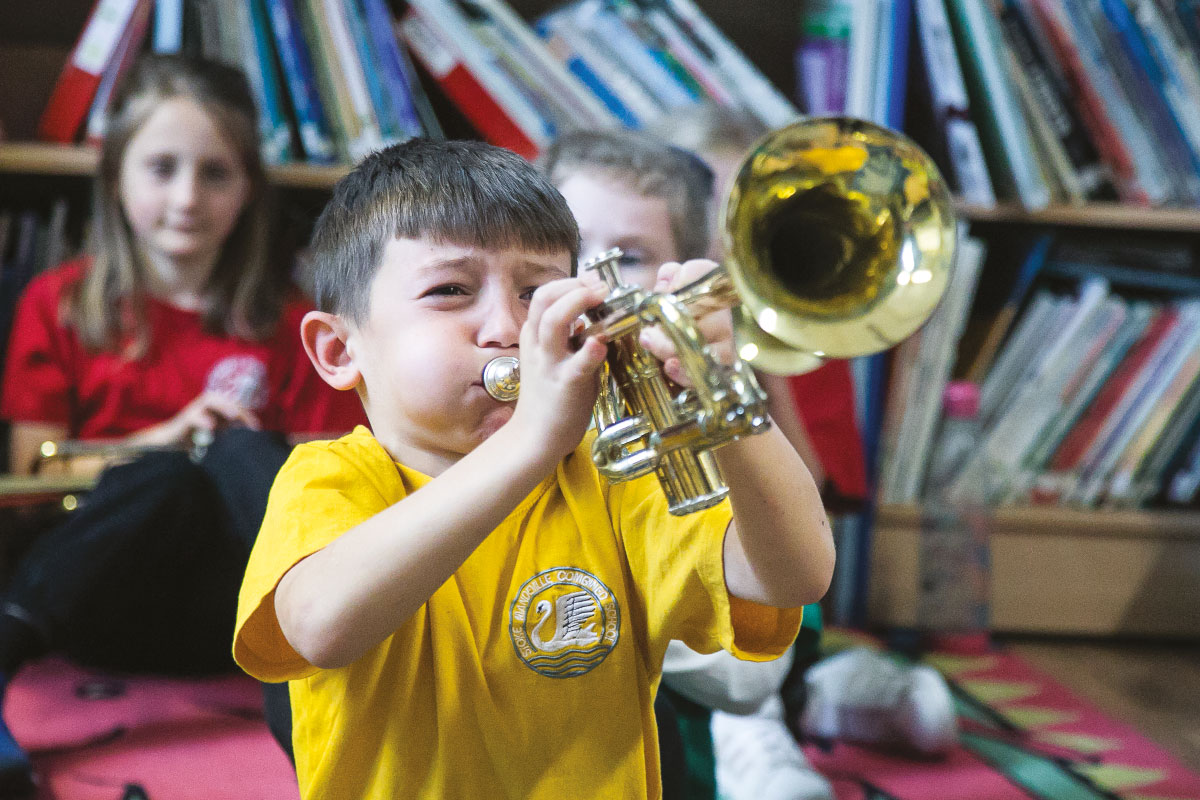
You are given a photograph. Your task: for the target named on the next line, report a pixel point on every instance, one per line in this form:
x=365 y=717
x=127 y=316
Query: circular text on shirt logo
x=564 y=622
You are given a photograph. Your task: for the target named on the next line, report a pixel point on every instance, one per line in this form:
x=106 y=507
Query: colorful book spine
x=822 y=58
x=508 y=123
x=1006 y=135
x=312 y=124
x=76 y=87
x=123 y=58
x=353 y=78
x=265 y=81
x=559 y=47
x=765 y=101
x=388 y=54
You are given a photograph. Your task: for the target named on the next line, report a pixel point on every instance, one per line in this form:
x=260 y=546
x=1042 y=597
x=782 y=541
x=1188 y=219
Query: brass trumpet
x=840 y=237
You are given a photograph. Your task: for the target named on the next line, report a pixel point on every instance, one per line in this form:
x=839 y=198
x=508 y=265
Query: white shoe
x=864 y=696
x=758 y=758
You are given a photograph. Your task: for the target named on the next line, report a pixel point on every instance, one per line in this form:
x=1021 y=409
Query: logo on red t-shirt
x=243 y=378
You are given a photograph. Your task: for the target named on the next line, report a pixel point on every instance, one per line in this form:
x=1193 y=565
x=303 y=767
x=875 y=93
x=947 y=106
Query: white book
x=881 y=61
x=951 y=103
x=1152 y=382
x=1055 y=484
x=1077 y=482
x=631 y=94
x=1152 y=174
x=1074 y=391
x=557 y=82
x=1028 y=335
x=606 y=27
x=759 y=95
x=982 y=39
x=934 y=366
x=690 y=56
x=1180 y=69
x=1033 y=403
x=861 y=57
x=370 y=136
x=442 y=38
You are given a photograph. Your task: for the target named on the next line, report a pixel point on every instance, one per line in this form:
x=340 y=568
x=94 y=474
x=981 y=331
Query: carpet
x=95 y=736
x=1022 y=735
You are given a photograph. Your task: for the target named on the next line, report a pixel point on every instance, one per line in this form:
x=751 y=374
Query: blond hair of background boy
x=404 y=577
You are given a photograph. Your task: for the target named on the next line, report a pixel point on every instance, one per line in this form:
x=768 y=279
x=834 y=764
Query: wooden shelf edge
x=1093 y=215
x=1068 y=521
x=41 y=158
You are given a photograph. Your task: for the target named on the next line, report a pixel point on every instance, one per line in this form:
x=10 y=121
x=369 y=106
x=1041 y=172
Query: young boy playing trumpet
x=462 y=605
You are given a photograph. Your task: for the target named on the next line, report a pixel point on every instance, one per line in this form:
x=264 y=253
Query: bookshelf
x=39 y=37
x=1061 y=571
x=41 y=158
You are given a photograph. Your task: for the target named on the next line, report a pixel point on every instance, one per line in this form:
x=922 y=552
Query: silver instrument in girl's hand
x=840 y=237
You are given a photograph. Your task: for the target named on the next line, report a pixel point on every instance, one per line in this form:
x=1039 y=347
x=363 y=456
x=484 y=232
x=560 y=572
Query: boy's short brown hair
x=458 y=192
x=648 y=167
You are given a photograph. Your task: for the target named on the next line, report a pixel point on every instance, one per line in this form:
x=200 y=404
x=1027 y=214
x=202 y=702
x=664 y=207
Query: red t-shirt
x=50 y=377
x=825 y=399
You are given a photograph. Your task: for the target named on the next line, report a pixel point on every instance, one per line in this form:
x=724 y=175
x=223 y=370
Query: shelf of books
x=1069 y=131
x=42 y=158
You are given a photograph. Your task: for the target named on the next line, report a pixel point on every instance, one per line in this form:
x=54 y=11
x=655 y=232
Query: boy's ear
x=324 y=336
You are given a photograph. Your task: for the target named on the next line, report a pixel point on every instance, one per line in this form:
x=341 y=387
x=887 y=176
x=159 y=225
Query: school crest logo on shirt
x=243 y=378
x=564 y=622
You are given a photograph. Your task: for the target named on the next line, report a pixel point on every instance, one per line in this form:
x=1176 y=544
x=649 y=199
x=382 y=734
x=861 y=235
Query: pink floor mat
x=1022 y=736
x=95 y=736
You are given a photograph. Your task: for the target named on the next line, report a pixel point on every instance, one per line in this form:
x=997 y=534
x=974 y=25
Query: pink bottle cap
x=961 y=399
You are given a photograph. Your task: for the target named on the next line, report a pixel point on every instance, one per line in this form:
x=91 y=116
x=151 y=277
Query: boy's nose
x=502 y=321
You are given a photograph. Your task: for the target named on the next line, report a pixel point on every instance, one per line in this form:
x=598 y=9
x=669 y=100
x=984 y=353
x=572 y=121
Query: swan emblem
x=571 y=612
x=564 y=622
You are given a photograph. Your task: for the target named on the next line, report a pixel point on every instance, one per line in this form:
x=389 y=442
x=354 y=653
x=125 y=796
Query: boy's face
x=612 y=215
x=437 y=314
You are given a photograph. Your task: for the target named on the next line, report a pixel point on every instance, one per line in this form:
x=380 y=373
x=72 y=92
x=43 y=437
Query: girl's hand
x=558 y=383
x=715 y=323
x=210 y=412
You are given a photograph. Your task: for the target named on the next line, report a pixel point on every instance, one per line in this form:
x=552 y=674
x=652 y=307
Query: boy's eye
x=633 y=259
x=527 y=295
x=447 y=290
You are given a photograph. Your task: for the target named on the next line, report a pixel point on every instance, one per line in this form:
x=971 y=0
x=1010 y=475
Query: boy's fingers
x=558 y=320
x=666 y=277
x=689 y=271
x=546 y=295
x=590 y=356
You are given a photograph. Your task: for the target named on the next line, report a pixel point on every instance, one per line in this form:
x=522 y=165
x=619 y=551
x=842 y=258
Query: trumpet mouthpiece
x=502 y=378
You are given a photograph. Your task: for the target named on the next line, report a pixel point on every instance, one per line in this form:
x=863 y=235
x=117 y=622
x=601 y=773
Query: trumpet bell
x=840 y=237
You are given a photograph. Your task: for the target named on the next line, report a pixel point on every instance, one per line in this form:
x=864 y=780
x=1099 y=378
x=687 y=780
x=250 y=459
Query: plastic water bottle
x=953 y=609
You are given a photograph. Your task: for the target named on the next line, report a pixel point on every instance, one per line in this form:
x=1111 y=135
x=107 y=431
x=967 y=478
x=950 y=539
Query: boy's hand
x=558 y=383
x=715 y=323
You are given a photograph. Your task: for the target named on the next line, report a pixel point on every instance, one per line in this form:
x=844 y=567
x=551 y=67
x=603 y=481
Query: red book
x=490 y=117
x=1076 y=443
x=80 y=77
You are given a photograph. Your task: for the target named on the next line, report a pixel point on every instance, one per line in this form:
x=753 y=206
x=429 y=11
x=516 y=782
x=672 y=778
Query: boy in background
x=652 y=200
x=463 y=607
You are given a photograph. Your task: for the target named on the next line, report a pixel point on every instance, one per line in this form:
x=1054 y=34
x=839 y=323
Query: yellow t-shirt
x=530 y=673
